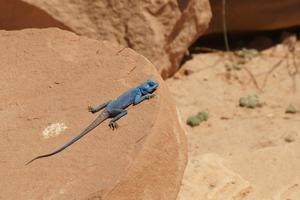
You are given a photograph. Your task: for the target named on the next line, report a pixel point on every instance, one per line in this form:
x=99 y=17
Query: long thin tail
x=103 y=116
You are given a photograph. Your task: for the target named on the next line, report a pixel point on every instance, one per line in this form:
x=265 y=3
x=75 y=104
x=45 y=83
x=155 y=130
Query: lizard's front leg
x=116 y=115
x=139 y=98
x=94 y=109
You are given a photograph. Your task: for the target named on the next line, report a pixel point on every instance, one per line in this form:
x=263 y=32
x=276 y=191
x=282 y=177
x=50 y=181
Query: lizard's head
x=148 y=87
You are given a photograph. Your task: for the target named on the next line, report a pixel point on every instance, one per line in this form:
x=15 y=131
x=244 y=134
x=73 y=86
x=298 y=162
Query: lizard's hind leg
x=117 y=114
x=94 y=109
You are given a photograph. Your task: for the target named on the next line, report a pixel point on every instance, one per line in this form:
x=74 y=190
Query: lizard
x=114 y=109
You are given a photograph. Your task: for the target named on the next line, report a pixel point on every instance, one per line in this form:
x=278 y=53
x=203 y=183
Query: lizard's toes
x=113 y=125
x=150 y=96
x=90 y=109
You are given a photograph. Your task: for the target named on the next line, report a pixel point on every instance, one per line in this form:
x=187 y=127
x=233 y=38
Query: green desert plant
x=291 y=109
x=250 y=101
x=195 y=120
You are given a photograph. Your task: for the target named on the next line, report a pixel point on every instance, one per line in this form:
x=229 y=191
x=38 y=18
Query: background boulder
x=251 y=16
x=162 y=31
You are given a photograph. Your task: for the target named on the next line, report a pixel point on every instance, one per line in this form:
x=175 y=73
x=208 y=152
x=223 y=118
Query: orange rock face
x=49 y=77
x=250 y=16
x=162 y=31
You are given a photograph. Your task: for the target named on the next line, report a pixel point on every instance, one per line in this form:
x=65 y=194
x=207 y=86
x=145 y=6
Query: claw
x=150 y=96
x=113 y=125
x=91 y=109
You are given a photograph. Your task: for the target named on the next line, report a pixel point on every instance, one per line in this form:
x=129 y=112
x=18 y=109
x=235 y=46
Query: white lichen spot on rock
x=54 y=129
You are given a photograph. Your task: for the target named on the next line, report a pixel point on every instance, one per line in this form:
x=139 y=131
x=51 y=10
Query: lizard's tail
x=103 y=116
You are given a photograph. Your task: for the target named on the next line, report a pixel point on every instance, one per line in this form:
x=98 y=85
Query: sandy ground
x=241 y=153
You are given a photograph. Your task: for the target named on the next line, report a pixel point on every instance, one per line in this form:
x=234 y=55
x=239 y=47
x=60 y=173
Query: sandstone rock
x=16 y=15
x=160 y=30
x=250 y=16
x=257 y=148
x=208 y=177
x=48 y=79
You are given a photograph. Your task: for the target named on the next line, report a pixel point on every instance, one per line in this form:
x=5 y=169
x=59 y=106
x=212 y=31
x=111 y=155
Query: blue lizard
x=114 y=109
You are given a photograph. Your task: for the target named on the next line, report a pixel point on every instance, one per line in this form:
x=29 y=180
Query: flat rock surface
x=241 y=153
x=49 y=77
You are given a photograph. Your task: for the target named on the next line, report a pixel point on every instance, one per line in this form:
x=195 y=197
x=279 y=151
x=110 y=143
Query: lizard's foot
x=150 y=96
x=91 y=109
x=113 y=125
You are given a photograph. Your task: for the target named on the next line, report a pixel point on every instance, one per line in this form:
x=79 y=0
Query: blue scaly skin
x=114 y=109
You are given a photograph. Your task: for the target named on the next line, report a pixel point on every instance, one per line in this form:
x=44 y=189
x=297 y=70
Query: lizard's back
x=124 y=100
